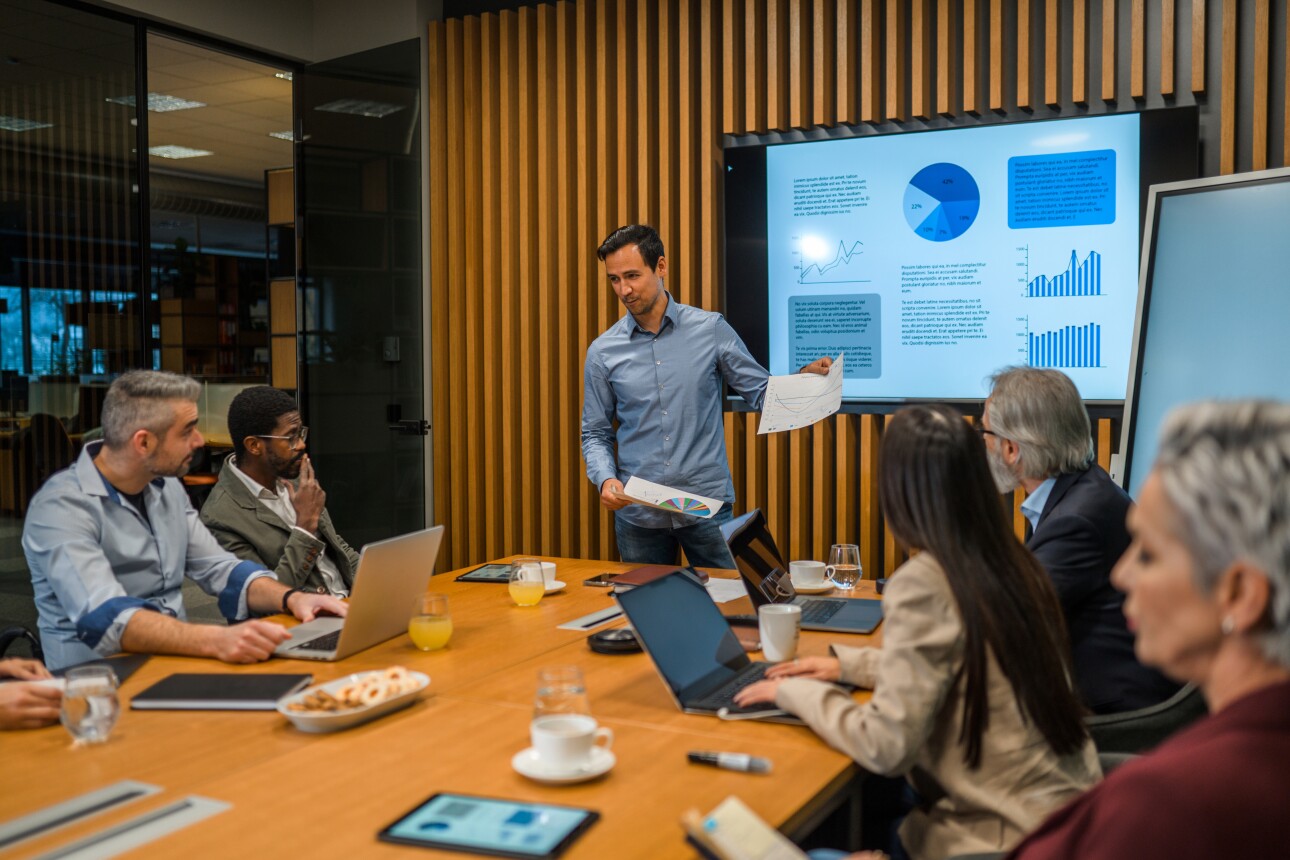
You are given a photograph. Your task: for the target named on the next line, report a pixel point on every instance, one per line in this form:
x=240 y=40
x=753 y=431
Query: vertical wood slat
x=1198 y=46
x=508 y=108
x=439 y=88
x=527 y=259
x=761 y=94
x=997 y=67
x=824 y=63
x=1079 y=52
x=870 y=535
x=800 y=65
x=846 y=51
x=455 y=243
x=1168 y=45
x=1023 y=54
x=472 y=276
x=946 y=53
x=1104 y=442
x=895 y=50
x=1259 y=106
x=971 y=57
x=584 y=279
x=1137 y=50
x=870 y=59
x=1109 y=63
x=1227 y=91
x=732 y=49
x=1053 y=54
x=708 y=155
x=491 y=283
x=920 y=60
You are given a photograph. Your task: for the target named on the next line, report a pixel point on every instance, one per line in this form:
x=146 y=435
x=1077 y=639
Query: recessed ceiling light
x=286 y=76
x=172 y=151
x=14 y=123
x=282 y=135
x=160 y=102
x=360 y=107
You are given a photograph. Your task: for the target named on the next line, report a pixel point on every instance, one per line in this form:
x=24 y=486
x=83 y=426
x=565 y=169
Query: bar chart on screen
x=1068 y=346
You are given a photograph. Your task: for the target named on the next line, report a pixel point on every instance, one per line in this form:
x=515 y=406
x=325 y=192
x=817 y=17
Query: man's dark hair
x=255 y=412
x=643 y=236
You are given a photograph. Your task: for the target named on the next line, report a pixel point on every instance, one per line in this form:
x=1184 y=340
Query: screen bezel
x=1122 y=463
x=745 y=243
x=590 y=817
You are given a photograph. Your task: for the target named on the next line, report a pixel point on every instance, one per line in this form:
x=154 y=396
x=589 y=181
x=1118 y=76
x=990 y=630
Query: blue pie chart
x=941 y=202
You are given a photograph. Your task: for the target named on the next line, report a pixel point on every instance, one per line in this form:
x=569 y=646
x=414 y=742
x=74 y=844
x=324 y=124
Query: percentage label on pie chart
x=941 y=202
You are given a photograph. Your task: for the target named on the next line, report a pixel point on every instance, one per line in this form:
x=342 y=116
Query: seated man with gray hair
x=1038 y=436
x=110 y=539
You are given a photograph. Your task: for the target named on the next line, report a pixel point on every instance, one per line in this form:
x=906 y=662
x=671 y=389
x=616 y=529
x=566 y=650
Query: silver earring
x=1228 y=626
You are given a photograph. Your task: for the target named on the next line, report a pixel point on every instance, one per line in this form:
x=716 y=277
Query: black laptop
x=767 y=579
x=701 y=662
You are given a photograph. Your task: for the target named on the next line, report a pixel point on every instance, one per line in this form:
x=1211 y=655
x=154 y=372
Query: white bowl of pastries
x=352 y=700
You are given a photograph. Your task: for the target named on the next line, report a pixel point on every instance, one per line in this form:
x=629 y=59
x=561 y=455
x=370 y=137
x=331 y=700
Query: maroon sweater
x=1220 y=788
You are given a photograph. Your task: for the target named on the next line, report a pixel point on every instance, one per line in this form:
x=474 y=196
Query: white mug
x=779 y=625
x=564 y=741
x=548 y=572
x=807 y=574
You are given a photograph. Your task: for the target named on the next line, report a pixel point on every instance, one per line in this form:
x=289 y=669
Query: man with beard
x=256 y=512
x=1038 y=437
x=110 y=539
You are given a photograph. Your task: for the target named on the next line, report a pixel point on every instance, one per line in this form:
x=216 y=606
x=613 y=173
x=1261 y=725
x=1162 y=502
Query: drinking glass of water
x=844 y=565
x=560 y=690
x=90 y=704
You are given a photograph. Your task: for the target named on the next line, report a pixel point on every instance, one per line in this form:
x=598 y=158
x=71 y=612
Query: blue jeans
x=703 y=544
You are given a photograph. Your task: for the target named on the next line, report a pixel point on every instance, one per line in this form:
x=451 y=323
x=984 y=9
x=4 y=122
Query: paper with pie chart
x=801 y=399
x=652 y=495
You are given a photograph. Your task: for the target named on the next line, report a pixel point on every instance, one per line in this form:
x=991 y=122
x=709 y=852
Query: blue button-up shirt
x=665 y=392
x=1032 y=506
x=95 y=561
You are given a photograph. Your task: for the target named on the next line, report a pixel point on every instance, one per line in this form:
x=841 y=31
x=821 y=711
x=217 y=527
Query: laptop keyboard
x=725 y=697
x=819 y=611
x=326 y=642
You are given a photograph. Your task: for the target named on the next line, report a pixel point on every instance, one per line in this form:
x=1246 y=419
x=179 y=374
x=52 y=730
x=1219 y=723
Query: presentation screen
x=932 y=259
x=1215 y=305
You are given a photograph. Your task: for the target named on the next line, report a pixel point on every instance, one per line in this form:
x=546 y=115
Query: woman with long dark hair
x=973 y=700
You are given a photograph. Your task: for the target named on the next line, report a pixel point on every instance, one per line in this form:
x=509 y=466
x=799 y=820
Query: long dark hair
x=937 y=495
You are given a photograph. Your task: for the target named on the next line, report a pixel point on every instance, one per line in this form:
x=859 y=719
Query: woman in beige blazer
x=972 y=700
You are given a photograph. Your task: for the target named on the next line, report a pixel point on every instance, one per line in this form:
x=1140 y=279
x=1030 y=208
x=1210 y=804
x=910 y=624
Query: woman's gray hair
x=1225 y=469
x=141 y=400
x=1042 y=412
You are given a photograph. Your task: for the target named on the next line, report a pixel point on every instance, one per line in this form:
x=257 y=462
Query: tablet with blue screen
x=487 y=825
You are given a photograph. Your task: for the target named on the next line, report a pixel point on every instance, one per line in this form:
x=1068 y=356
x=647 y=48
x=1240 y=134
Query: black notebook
x=219 y=691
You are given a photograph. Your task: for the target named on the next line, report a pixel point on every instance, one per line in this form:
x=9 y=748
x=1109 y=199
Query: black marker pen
x=731 y=761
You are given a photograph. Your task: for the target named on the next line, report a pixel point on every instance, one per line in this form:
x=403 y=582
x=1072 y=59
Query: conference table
x=329 y=794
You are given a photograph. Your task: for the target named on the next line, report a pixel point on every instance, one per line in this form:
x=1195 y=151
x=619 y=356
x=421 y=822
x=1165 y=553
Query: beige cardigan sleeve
x=911 y=676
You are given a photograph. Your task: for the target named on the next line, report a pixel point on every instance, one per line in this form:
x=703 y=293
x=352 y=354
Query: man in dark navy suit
x=1037 y=436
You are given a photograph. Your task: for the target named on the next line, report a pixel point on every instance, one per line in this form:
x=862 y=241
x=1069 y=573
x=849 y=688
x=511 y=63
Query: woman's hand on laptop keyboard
x=817 y=668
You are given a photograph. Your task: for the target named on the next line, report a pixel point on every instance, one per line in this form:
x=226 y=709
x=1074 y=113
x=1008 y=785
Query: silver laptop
x=391 y=573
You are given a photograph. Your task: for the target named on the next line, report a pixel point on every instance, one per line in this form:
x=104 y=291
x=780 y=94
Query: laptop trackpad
x=313 y=629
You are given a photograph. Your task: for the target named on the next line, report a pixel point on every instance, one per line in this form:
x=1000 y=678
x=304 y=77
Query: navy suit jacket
x=1080 y=536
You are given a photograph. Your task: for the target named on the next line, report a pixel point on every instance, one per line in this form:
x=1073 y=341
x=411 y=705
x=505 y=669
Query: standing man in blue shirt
x=658 y=371
x=110 y=539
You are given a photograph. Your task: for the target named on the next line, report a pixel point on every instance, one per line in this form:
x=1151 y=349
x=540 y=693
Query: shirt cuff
x=102 y=628
x=305 y=531
x=232 y=599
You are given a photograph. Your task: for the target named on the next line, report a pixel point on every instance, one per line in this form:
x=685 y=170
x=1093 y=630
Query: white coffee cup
x=780 y=625
x=807 y=574
x=548 y=572
x=564 y=742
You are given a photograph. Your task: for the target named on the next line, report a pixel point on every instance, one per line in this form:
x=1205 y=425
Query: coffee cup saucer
x=527 y=763
x=554 y=585
x=813 y=589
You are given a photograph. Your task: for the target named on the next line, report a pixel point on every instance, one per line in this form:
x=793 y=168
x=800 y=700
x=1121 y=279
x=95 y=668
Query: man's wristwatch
x=285 y=598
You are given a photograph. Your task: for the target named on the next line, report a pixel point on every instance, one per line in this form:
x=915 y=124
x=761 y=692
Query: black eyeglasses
x=980 y=428
x=299 y=436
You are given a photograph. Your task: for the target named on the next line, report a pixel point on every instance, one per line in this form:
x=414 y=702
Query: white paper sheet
x=726 y=590
x=676 y=501
x=801 y=399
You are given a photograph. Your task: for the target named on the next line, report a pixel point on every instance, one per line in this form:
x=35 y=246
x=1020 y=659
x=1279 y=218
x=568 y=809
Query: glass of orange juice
x=431 y=626
x=526 y=582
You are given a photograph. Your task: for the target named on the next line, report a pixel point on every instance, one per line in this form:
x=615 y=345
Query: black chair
x=1140 y=730
x=39 y=450
x=12 y=634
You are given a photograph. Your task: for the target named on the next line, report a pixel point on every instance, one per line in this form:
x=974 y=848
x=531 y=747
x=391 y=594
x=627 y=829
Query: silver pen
x=730 y=761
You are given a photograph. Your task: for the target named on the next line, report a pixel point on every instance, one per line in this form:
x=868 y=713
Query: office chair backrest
x=1140 y=730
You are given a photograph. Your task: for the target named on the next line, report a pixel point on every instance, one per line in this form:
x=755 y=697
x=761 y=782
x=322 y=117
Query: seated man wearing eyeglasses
x=256 y=511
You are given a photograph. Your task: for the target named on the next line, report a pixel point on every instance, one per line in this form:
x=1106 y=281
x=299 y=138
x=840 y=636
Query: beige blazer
x=911 y=727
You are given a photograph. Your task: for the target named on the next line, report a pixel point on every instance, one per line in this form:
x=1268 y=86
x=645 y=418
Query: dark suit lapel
x=1060 y=487
x=241 y=494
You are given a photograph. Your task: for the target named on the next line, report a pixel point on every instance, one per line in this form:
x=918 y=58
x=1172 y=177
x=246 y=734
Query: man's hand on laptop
x=248 y=642
x=307 y=606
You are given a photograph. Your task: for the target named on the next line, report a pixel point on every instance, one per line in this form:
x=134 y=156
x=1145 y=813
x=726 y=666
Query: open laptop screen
x=683 y=631
x=756 y=556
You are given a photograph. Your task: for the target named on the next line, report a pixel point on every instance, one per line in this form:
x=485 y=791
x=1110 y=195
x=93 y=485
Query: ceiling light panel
x=16 y=123
x=160 y=102
x=172 y=151
x=360 y=107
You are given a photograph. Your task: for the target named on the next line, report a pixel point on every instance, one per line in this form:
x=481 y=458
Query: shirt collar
x=258 y=491
x=94 y=482
x=1033 y=505
x=670 y=314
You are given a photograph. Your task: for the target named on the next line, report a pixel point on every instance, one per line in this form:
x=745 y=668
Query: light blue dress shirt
x=95 y=561
x=665 y=392
x=1032 y=506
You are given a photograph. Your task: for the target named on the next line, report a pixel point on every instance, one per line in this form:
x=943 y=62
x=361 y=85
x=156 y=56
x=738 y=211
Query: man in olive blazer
x=268 y=506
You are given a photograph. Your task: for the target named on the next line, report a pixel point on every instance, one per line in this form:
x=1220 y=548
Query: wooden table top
x=333 y=792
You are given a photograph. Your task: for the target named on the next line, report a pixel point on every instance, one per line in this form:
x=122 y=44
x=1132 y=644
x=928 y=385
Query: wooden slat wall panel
x=552 y=125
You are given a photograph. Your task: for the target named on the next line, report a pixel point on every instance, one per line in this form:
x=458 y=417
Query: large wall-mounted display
x=932 y=259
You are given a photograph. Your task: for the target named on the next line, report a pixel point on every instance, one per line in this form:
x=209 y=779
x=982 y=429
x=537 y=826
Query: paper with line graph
x=801 y=399
x=652 y=495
